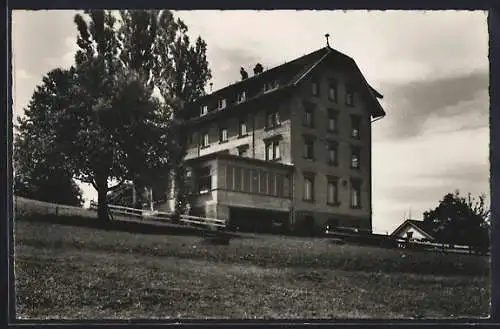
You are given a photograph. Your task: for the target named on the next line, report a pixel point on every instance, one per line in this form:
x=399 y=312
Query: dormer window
x=271 y=85
x=242 y=96
x=221 y=104
x=204 y=109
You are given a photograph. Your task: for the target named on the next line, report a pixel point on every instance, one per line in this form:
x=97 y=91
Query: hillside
x=67 y=271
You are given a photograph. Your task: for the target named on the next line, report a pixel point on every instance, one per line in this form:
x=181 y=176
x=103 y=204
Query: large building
x=288 y=147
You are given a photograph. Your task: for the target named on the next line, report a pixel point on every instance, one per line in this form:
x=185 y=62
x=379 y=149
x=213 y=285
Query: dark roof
x=290 y=74
x=420 y=225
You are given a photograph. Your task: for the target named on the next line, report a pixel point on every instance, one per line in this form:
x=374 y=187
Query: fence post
x=57 y=210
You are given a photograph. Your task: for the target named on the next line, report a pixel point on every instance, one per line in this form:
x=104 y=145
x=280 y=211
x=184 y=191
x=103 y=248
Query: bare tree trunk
x=102 y=208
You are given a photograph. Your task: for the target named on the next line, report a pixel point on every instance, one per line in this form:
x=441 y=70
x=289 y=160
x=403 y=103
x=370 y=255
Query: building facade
x=287 y=149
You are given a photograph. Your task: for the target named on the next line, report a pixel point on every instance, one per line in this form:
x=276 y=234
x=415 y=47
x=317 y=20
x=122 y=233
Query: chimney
x=327 y=36
x=244 y=74
x=258 y=69
x=211 y=85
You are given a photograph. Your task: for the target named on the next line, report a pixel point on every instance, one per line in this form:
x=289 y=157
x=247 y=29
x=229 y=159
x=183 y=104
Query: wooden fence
x=206 y=222
x=394 y=242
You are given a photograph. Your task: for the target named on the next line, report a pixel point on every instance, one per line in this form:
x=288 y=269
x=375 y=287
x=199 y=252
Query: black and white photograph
x=182 y=165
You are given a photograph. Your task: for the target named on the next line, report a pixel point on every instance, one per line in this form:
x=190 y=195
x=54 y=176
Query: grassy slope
x=78 y=272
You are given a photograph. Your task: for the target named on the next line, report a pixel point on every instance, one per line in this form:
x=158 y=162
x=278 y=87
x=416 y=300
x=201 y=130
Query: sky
x=431 y=67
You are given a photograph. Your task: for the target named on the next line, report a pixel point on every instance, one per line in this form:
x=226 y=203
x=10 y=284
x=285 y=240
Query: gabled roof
x=418 y=225
x=292 y=73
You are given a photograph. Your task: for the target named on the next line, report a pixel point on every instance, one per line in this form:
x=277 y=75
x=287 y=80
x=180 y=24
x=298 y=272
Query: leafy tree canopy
x=460 y=220
x=98 y=120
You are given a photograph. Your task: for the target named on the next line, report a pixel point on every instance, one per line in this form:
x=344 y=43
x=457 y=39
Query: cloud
x=41 y=41
x=416 y=172
x=465 y=172
x=227 y=63
x=454 y=102
x=68 y=59
x=390 y=46
x=21 y=74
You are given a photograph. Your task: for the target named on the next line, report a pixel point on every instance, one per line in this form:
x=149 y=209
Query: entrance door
x=309 y=225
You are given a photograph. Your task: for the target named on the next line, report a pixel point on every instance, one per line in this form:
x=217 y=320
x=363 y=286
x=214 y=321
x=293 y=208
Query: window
x=315 y=88
x=332 y=191
x=273 y=120
x=230 y=177
x=204 y=140
x=308 y=148
x=355 y=161
x=349 y=96
x=272 y=184
x=242 y=96
x=332 y=148
x=356 y=194
x=272 y=85
x=263 y=182
x=204 y=180
x=204 y=109
x=246 y=180
x=332 y=90
x=272 y=150
x=308 y=187
x=188 y=181
x=238 y=177
x=254 y=181
x=242 y=128
x=286 y=186
x=276 y=150
x=221 y=104
x=355 y=125
x=280 y=185
x=309 y=115
x=332 y=120
x=243 y=150
x=223 y=135
x=269 y=151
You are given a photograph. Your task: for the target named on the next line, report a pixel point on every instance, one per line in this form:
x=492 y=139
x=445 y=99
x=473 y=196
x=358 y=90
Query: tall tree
x=181 y=73
x=123 y=125
x=107 y=125
x=156 y=44
x=460 y=220
x=39 y=168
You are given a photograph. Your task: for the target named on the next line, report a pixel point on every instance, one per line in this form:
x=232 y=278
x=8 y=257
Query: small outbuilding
x=415 y=230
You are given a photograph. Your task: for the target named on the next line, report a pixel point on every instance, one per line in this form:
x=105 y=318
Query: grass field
x=76 y=272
